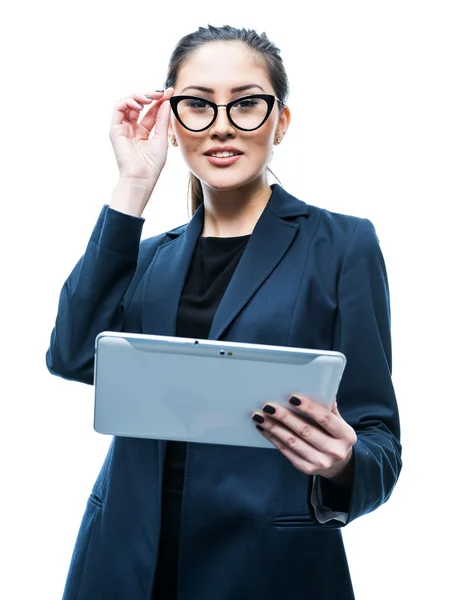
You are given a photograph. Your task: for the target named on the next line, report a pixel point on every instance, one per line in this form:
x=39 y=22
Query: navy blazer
x=308 y=278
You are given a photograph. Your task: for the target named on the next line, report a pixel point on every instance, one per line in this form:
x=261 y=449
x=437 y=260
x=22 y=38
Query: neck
x=233 y=213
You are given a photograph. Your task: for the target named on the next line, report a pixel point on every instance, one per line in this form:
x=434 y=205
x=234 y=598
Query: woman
x=254 y=264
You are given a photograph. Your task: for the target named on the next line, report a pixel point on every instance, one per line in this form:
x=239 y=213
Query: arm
x=352 y=454
x=92 y=298
x=366 y=396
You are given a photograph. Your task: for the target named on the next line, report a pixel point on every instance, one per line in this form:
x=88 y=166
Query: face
x=221 y=67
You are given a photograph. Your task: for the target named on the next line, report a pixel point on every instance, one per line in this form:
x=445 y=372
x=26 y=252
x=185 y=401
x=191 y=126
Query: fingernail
x=270 y=410
x=259 y=427
x=258 y=418
x=295 y=401
x=156 y=91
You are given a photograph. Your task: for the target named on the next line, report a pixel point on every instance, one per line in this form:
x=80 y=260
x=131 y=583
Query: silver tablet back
x=201 y=390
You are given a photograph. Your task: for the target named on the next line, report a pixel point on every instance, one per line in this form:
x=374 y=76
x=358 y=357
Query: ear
x=171 y=135
x=283 y=124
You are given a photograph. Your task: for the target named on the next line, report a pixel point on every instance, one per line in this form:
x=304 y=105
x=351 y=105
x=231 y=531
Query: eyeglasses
x=247 y=113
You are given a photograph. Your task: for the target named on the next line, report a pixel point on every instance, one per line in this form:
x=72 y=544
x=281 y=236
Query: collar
x=281 y=203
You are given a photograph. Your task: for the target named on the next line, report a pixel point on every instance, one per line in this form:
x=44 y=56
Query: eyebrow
x=240 y=88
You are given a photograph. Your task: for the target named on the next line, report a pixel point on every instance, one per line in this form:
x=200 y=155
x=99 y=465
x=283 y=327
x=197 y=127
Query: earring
x=279 y=140
x=172 y=140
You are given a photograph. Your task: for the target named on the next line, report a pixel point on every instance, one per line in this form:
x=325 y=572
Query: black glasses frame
x=269 y=98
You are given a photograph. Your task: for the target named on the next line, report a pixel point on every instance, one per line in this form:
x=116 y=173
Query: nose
x=222 y=127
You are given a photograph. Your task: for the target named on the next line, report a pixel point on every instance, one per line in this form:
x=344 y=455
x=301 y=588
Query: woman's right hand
x=139 y=156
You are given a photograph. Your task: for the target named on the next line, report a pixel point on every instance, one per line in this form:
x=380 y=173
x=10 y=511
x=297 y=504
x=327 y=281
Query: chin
x=226 y=180
x=224 y=186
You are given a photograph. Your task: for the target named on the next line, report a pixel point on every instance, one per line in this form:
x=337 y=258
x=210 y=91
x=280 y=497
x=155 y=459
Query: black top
x=212 y=267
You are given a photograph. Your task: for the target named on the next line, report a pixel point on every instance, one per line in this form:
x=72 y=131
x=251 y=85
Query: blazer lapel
x=165 y=281
x=266 y=247
x=269 y=242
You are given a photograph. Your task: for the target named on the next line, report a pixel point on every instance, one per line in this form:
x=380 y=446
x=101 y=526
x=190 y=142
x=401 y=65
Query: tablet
x=205 y=391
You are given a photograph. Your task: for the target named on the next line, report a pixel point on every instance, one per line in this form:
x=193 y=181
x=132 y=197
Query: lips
x=223 y=152
x=223 y=161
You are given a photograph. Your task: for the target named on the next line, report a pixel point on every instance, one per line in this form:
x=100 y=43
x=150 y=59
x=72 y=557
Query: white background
x=369 y=136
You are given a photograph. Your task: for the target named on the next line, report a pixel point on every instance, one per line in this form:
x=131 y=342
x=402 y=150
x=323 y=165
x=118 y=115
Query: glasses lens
x=195 y=113
x=249 y=113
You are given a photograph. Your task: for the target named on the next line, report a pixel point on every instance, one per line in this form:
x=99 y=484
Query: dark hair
x=259 y=44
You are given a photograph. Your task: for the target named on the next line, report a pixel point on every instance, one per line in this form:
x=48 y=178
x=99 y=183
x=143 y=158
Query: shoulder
x=354 y=244
x=333 y=237
x=347 y=224
x=152 y=243
x=319 y=220
x=346 y=230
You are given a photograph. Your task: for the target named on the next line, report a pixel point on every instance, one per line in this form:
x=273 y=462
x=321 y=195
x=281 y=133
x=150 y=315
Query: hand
x=139 y=156
x=321 y=446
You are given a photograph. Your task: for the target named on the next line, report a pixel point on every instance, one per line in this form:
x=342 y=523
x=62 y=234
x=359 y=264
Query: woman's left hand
x=322 y=446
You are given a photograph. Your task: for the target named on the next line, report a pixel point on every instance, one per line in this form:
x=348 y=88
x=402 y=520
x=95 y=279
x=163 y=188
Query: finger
x=162 y=122
x=300 y=435
x=126 y=108
x=302 y=446
x=154 y=95
x=298 y=461
x=130 y=106
x=144 y=98
x=332 y=423
x=306 y=428
x=149 y=119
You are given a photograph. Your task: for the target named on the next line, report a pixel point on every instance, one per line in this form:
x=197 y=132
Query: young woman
x=254 y=264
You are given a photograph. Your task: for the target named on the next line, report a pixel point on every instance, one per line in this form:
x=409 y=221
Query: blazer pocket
x=293 y=521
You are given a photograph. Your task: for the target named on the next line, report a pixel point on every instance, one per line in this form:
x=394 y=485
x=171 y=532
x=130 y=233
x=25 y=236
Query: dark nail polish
x=258 y=418
x=270 y=410
x=295 y=401
x=259 y=427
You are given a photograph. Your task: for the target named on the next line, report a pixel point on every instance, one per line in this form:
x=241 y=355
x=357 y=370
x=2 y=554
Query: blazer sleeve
x=366 y=396
x=91 y=299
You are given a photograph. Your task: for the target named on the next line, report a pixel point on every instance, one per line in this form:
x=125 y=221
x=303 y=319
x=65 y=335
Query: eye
x=247 y=104
x=197 y=104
